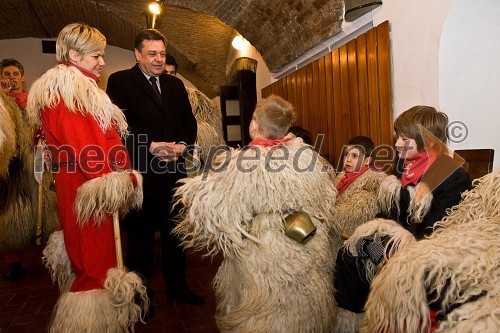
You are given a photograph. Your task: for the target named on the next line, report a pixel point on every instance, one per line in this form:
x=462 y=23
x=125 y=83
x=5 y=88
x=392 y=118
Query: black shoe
x=185 y=296
x=14 y=271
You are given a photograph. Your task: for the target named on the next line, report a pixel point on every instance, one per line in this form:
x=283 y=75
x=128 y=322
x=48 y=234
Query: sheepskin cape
x=358 y=203
x=18 y=188
x=267 y=282
x=458 y=264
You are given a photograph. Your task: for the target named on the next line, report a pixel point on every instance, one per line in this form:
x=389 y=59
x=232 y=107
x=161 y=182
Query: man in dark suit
x=161 y=125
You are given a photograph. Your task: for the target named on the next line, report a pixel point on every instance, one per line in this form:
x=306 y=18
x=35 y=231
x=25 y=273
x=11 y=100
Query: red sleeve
x=75 y=137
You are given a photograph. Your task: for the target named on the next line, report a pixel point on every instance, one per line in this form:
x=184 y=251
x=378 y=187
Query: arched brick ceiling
x=199 y=32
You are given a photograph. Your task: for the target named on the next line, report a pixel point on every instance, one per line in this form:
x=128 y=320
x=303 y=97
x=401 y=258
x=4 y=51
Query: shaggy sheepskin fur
x=267 y=281
x=457 y=264
x=358 y=203
x=18 y=188
x=113 y=192
x=112 y=309
x=210 y=135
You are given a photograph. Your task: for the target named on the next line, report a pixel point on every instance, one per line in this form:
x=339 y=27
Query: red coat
x=74 y=137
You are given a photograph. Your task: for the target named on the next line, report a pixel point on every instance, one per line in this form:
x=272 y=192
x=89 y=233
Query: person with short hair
x=431 y=182
x=162 y=126
x=357 y=184
x=267 y=208
x=82 y=129
x=171 y=65
x=12 y=81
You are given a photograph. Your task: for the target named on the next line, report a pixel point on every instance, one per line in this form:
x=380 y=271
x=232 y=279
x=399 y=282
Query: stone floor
x=26 y=304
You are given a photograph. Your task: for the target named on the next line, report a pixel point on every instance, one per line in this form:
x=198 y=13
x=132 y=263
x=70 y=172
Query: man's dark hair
x=364 y=144
x=171 y=61
x=148 y=34
x=11 y=62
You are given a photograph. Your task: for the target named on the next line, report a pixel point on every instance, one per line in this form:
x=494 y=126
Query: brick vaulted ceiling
x=199 y=32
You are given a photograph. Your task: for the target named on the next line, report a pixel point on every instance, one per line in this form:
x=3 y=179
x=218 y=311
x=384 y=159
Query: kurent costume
x=456 y=270
x=244 y=207
x=82 y=129
x=357 y=199
x=18 y=188
x=407 y=220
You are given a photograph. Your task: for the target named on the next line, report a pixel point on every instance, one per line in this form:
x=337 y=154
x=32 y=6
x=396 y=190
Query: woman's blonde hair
x=79 y=37
x=274 y=115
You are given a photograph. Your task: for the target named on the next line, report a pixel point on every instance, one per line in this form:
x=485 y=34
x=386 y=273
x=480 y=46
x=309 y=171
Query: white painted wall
x=28 y=51
x=446 y=54
x=469 y=72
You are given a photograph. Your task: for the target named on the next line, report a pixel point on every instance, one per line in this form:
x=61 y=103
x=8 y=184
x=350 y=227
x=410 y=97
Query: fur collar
x=80 y=95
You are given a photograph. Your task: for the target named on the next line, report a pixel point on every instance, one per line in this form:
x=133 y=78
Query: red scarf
x=21 y=98
x=83 y=71
x=416 y=167
x=268 y=143
x=349 y=177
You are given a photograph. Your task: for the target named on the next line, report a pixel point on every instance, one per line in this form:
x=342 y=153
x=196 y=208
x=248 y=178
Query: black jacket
x=149 y=119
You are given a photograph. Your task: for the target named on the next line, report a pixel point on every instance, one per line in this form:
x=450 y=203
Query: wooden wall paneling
x=373 y=90
x=298 y=92
x=337 y=106
x=352 y=67
x=292 y=94
x=310 y=99
x=385 y=83
x=323 y=112
x=364 y=115
x=344 y=92
x=329 y=135
x=304 y=104
x=284 y=88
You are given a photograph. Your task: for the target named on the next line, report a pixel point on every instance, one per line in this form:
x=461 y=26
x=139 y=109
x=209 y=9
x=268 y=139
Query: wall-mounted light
x=154 y=9
x=238 y=43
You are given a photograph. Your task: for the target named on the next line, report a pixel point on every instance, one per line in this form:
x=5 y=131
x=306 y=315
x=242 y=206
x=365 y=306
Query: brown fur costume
x=358 y=203
x=267 y=281
x=209 y=119
x=18 y=188
x=458 y=263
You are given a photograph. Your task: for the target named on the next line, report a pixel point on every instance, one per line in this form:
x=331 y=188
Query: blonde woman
x=82 y=129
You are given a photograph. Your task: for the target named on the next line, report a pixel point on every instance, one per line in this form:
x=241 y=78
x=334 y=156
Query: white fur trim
x=420 y=204
x=389 y=193
x=57 y=261
x=79 y=93
x=347 y=321
x=106 y=195
x=112 y=309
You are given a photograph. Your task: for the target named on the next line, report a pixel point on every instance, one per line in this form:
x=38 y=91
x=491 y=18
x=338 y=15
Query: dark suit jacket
x=150 y=119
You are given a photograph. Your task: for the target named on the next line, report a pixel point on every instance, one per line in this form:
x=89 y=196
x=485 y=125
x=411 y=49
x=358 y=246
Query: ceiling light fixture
x=238 y=43
x=154 y=9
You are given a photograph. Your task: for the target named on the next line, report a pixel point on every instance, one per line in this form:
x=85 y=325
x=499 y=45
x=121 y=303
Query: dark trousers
x=351 y=286
x=140 y=254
